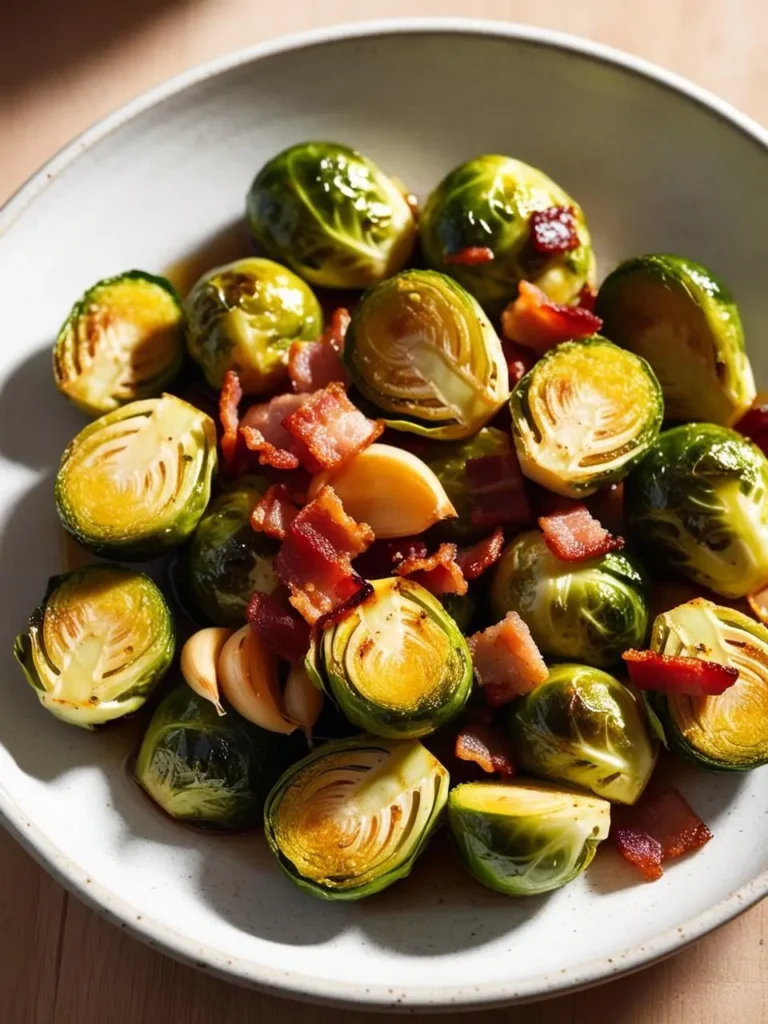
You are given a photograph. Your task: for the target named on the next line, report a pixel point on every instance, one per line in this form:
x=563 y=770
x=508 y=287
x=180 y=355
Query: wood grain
x=62 y=66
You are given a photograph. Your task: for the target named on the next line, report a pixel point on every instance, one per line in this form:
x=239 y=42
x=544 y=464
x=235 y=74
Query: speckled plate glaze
x=658 y=165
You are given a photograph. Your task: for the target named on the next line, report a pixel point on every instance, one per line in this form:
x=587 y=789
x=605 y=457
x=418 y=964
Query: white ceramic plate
x=657 y=165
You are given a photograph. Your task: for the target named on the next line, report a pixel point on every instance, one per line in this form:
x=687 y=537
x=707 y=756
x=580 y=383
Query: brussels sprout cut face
x=122 y=341
x=679 y=317
x=102 y=638
x=584 y=727
x=244 y=316
x=332 y=215
x=729 y=731
x=350 y=819
x=422 y=350
x=699 y=503
x=589 y=611
x=525 y=838
x=397 y=664
x=584 y=416
x=137 y=481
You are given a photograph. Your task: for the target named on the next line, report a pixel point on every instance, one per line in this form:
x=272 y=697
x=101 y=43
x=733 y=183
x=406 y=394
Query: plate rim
x=293 y=983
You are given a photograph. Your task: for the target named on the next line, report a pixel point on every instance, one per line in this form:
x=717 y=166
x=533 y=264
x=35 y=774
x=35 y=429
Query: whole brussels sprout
x=136 y=481
x=351 y=819
x=420 y=348
x=331 y=214
x=122 y=341
x=584 y=727
x=488 y=202
x=584 y=416
x=461 y=608
x=99 y=642
x=589 y=611
x=244 y=316
x=525 y=838
x=699 y=503
x=684 y=321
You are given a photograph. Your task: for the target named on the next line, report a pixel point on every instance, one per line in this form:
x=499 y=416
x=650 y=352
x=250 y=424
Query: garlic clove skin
x=247 y=674
x=302 y=700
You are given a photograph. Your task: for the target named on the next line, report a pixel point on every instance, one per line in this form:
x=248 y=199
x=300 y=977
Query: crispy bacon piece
x=284 y=632
x=685 y=677
x=274 y=513
x=660 y=827
x=471 y=256
x=383 y=556
x=486 y=746
x=519 y=360
x=474 y=560
x=439 y=573
x=574 y=535
x=535 y=322
x=554 y=230
x=331 y=428
x=498 y=490
x=263 y=431
x=315 y=560
x=313 y=365
x=759 y=604
x=506 y=660
x=229 y=403
x=587 y=298
x=754 y=424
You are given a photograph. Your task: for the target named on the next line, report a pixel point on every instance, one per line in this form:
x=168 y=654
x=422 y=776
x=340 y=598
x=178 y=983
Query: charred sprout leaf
x=684 y=321
x=136 y=481
x=526 y=838
x=350 y=819
x=97 y=645
x=122 y=341
x=332 y=215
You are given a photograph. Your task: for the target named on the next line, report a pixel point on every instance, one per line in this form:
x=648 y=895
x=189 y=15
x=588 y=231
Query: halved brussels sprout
x=226 y=561
x=589 y=611
x=122 y=341
x=584 y=416
x=699 y=503
x=526 y=838
x=684 y=321
x=584 y=727
x=488 y=202
x=243 y=316
x=331 y=214
x=397 y=665
x=207 y=769
x=350 y=819
x=729 y=732
x=99 y=642
x=420 y=348
x=136 y=481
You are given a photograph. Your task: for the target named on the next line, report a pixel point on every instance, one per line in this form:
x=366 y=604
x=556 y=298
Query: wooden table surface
x=65 y=63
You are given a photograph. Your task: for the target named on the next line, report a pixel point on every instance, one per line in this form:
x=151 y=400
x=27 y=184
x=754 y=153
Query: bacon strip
x=485 y=746
x=754 y=424
x=658 y=828
x=263 y=431
x=439 y=573
x=229 y=402
x=759 y=604
x=313 y=365
x=685 y=677
x=574 y=535
x=471 y=256
x=474 y=560
x=535 y=322
x=274 y=513
x=498 y=491
x=331 y=428
x=283 y=632
x=383 y=556
x=506 y=660
x=587 y=298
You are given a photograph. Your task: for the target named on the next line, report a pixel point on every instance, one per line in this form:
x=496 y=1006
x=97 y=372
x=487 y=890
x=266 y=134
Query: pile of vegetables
x=421 y=566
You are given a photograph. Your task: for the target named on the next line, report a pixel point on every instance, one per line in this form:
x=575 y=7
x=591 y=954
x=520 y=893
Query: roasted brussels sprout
x=226 y=560
x=350 y=819
x=97 y=645
x=698 y=503
x=136 y=481
x=461 y=608
x=206 y=769
x=676 y=314
x=244 y=316
x=526 y=838
x=397 y=665
x=584 y=727
x=589 y=611
x=332 y=215
x=728 y=732
x=420 y=348
x=488 y=202
x=584 y=416
x=122 y=341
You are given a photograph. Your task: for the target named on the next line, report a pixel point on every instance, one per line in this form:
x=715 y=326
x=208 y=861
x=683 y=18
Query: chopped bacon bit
x=685 y=677
x=313 y=365
x=554 y=230
x=535 y=322
x=471 y=256
x=274 y=513
x=263 y=432
x=474 y=560
x=659 y=828
x=759 y=604
x=383 y=555
x=498 y=490
x=519 y=360
x=507 y=662
x=331 y=427
x=315 y=559
x=486 y=746
x=284 y=632
x=574 y=535
x=438 y=573
x=229 y=402
x=754 y=424
x=587 y=298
